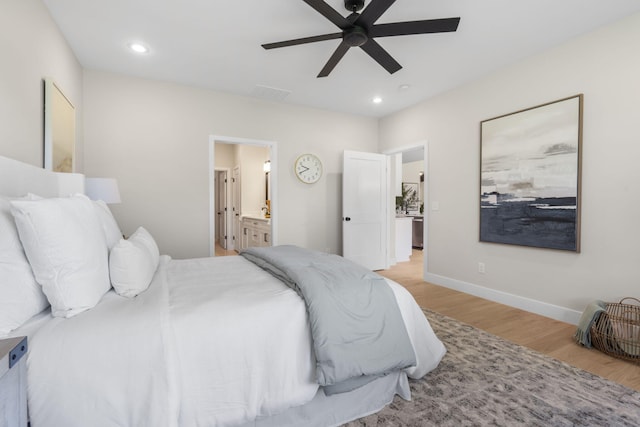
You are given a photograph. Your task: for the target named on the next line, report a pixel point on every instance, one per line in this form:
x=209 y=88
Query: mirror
x=267 y=189
x=59 y=129
x=267 y=169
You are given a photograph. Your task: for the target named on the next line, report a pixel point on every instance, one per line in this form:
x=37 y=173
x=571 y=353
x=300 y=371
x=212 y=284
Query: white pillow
x=111 y=229
x=133 y=262
x=66 y=247
x=21 y=296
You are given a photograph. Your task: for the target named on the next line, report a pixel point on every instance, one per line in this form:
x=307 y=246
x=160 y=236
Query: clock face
x=308 y=168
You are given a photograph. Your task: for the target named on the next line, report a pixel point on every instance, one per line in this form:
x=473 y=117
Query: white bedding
x=257 y=356
x=213 y=341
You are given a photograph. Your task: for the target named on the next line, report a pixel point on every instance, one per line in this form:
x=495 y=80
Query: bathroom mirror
x=59 y=129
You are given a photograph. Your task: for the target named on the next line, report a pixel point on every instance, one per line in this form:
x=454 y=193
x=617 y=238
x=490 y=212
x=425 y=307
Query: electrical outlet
x=481 y=268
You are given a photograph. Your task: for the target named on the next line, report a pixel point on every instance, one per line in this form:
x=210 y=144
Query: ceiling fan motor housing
x=353 y=5
x=356 y=36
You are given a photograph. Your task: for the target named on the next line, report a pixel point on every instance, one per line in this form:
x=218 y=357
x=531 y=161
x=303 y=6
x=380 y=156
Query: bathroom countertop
x=257 y=218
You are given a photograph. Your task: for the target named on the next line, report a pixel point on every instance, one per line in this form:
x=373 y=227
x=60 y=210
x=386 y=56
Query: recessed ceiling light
x=138 y=47
x=377 y=100
x=404 y=87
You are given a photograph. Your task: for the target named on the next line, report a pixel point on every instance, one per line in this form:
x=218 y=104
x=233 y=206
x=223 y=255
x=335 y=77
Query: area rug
x=486 y=381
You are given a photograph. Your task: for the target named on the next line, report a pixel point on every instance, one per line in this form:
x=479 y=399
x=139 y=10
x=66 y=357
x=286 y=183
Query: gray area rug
x=486 y=381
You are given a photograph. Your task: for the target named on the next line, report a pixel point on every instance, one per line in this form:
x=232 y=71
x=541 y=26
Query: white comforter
x=213 y=341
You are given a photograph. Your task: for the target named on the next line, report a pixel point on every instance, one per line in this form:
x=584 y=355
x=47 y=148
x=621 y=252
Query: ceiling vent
x=270 y=93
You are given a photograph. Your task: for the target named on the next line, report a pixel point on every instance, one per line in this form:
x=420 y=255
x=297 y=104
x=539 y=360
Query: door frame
x=236 y=207
x=273 y=182
x=424 y=144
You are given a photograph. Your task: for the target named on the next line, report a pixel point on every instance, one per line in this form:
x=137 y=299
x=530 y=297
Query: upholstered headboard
x=18 y=179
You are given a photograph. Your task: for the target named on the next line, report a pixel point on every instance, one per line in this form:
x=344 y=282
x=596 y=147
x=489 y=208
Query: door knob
x=347 y=219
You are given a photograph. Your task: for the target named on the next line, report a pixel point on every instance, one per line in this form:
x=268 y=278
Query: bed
x=225 y=341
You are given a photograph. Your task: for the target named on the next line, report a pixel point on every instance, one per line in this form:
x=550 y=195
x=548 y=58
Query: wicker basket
x=616 y=332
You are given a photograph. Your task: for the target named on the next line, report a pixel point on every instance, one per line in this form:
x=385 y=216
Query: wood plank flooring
x=220 y=251
x=539 y=333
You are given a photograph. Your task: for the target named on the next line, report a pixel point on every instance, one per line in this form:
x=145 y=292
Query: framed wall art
x=530 y=176
x=410 y=196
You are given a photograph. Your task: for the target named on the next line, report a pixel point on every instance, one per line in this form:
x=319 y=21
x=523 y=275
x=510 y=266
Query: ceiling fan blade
x=381 y=56
x=415 y=27
x=303 y=40
x=335 y=58
x=374 y=11
x=330 y=13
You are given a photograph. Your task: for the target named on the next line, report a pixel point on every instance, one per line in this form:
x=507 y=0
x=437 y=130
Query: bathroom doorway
x=230 y=205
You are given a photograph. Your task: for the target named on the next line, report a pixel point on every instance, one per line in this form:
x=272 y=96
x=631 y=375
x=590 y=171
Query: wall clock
x=308 y=168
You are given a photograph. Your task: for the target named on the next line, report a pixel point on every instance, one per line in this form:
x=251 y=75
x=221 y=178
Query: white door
x=235 y=207
x=221 y=208
x=364 y=209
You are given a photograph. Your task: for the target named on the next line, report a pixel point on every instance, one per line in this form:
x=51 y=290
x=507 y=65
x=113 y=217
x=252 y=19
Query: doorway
x=409 y=165
x=232 y=201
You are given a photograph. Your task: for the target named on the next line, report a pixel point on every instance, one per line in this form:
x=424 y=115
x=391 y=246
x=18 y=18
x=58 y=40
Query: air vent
x=270 y=93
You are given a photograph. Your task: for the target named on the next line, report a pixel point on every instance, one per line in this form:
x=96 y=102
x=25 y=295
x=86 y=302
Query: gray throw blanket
x=356 y=325
x=589 y=315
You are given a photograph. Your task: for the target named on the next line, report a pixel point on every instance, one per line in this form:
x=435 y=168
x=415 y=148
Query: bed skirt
x=337 y=409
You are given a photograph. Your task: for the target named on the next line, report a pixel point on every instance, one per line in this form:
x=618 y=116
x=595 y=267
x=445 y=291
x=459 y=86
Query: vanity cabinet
x=255 y=232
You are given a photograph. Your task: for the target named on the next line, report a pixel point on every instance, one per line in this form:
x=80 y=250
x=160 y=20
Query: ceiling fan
x=359 y=30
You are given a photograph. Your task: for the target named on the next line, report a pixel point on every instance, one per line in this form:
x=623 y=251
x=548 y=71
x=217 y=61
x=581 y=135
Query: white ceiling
x=216 y=44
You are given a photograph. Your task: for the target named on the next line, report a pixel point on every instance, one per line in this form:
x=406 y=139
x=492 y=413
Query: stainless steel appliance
x=417 y=234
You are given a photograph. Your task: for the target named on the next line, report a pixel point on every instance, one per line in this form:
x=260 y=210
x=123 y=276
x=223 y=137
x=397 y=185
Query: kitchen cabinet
x=404 y=227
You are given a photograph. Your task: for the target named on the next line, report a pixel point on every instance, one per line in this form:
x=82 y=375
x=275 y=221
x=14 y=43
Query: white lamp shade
x=105 y=189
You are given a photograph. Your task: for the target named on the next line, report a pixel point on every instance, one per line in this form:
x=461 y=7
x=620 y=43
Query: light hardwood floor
x=220 y=251
x=539 y=333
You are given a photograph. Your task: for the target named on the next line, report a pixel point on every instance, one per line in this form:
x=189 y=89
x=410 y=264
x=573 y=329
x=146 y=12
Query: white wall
x=154 y=138
x=605 y=66
x=32 y=48
x=224 y=155
x=411 y=171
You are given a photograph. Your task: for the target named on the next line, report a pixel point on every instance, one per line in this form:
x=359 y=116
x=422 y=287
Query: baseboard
x=538 y=307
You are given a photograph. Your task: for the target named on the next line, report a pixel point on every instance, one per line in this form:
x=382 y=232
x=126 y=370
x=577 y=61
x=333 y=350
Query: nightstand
x=13 y=382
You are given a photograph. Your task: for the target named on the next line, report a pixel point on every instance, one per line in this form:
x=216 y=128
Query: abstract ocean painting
x=530 y=176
